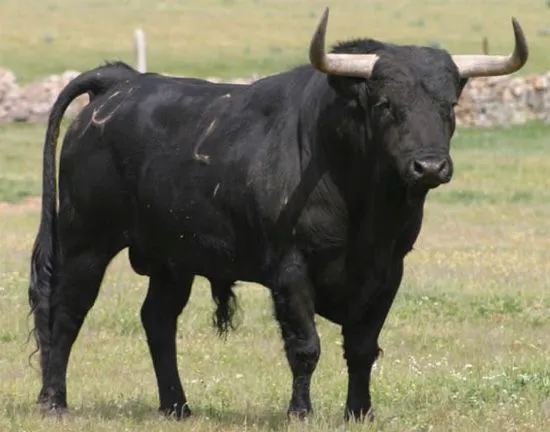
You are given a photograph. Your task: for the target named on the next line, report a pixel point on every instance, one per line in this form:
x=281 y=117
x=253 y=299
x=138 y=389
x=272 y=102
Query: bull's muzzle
x=430 y=173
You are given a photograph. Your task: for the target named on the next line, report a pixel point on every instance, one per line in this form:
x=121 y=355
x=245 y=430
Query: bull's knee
x=304 y=353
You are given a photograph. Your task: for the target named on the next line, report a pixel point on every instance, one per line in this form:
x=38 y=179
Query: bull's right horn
x=356 y=65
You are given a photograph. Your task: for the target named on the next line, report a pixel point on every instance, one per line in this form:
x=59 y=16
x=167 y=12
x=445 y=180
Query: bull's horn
x=357 y=65
x=492 y=65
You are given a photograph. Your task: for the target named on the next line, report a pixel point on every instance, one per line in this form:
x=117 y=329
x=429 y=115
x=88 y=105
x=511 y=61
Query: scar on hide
x=99 y=122
x=203 y=157
x=109 y=116
x=215 y=190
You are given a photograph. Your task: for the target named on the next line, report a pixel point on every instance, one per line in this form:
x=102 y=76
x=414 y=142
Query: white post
x=139 y=50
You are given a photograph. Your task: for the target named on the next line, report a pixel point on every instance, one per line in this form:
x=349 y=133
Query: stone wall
x=485 y=101
x=506 y=100
x=32 y=102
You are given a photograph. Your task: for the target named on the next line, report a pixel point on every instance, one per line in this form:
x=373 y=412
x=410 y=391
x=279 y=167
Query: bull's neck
x=356 y=165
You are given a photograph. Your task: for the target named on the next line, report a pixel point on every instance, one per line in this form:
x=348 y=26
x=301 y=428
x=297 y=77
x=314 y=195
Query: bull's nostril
x=442 y=167
x=418 y=167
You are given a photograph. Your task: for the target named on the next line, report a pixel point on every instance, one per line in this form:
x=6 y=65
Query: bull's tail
x=226 y=305
x=44 y=252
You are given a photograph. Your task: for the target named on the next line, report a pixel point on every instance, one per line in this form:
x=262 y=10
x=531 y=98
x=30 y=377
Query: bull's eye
x=384 y=109
x=383 y=104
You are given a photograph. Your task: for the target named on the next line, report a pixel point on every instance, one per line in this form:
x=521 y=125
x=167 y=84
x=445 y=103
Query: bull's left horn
x=357 y=65
x=491 y=65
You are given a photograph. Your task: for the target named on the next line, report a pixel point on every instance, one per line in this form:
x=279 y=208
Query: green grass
x=239 y=37
x=20 y=161
x=467 y=343
x=517 y=166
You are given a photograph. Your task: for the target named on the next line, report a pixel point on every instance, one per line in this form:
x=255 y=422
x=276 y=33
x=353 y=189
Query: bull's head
x=409 y=93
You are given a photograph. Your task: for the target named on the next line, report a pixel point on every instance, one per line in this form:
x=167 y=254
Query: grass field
x=467 y=343
x=238 y=37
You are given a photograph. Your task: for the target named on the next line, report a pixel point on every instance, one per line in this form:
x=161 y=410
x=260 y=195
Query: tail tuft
x=226 y=306
x=42 y=275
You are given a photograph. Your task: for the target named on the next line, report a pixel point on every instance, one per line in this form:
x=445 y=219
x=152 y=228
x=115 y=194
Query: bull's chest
x=358 y=270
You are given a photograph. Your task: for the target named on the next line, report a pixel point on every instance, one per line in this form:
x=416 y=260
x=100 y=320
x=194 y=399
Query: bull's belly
x=199 y=243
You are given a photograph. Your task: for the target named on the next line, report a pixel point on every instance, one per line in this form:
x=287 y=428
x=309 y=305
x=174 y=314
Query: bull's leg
x=295 y=310
x=166 y=298
x=78 y=280
x=361 y=347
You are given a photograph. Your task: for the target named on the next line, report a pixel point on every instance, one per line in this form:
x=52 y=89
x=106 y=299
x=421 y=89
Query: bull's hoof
x=359 y=415
x=176 y=412
x=53 y=410
x=50 y=406
x=298 y=414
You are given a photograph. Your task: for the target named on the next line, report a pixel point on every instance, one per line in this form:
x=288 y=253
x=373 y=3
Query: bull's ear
x=461 y=85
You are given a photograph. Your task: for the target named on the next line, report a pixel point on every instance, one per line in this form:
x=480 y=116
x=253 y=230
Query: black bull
x=311 y=182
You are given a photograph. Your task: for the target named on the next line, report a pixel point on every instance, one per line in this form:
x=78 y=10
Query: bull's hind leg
x=79 y=277
x=295 y=310
x=166 y=298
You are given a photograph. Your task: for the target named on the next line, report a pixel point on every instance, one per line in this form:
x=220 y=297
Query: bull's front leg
x=295 y=310
x=361 y=345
